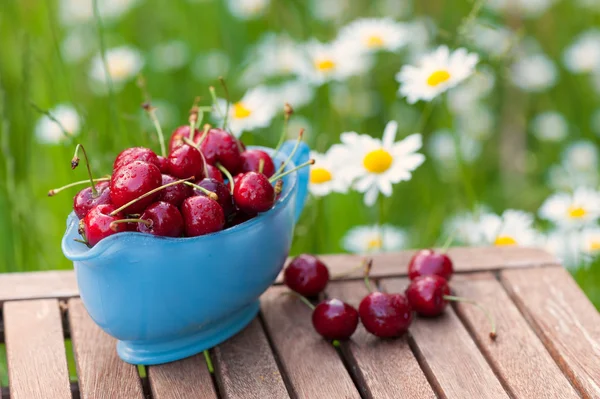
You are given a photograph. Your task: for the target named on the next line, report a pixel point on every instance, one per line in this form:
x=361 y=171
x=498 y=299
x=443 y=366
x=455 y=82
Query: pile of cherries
x=384 y=315
x=190 y=192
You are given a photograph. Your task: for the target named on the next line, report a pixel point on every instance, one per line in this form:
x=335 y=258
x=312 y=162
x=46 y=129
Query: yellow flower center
x=374 y=41
x=504 y=241
x=438 y=77
x=378 y=161
x=240 y=111
x=325 y=65
x=375 y=243
x=595 y=246
x=577 y=212
x=319 y=175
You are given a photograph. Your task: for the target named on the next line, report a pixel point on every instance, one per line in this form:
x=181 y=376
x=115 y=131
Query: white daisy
x=324 y=174
x=512 y=228
x=534 y=73
x=170 y=55
x=590 y=241
x=465 y=227
x=571 y=210
x=564 y=177
x=122 y=64
x=210 y=65
x=370 y=239
x=584 y=54
x=376 y=164
x=296 y=93
x=335 y=61
x=274 y=56
x=550 y=126
x=248 y=9
x=255 y=110
x=47 y=131
x=435 y=73
x=464 y=98
x=373 y=34
x=494 y=40
x=78 y=44
x=565 y=246
x=73 y=12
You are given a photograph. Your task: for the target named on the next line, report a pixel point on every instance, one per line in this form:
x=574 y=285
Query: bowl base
x=156 y=352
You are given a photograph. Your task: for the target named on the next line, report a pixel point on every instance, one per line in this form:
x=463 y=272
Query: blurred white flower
x=74 y=12
x=477 y=122
x=422 y=32
x=463 y=98
x=376 y=164
x=248 y=9
x=595 y=122
x=442 y=148
x=590 y=241
x=394 y=8
x=565 y=245
x=295 y=92
x=274 y=55
x=550 y=126
x=324 y=174
x=494 y=40
x=47 y=131
x=331 y=61
x=572 y=210
x=329 y=10
x=435 y=73
x=534 y=73
x=584 y=54
x=77 y=44
x=370 y=239
x=170 y=55
x=512 y=228
x=255 y=110
x=581 y=156
x=465 y=227
x=210 y=65
x=123 y=63
x=373 y=34
x=527 y=8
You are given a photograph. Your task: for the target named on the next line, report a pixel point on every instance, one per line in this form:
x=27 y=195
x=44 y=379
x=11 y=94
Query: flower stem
x=488 y=315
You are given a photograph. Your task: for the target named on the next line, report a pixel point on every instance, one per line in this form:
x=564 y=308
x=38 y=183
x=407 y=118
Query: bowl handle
x=302 y=155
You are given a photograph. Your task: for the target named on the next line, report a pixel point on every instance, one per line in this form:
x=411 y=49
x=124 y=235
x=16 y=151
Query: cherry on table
x=334 y=319
x=221 y=147
x=253 y=193
x=164 y=219
x=202 y=215
x=84 y=201
x=223 y=194
x=251 y=160
x=132 y=181
x=426 y=295
x=186 y=161
x=385 y=315
x=427 y=262
x=306 y=275
x=174 y=194
x=97 y=223
x=129 y=155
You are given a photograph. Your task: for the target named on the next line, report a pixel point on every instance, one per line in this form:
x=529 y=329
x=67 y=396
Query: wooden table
x=548 y=343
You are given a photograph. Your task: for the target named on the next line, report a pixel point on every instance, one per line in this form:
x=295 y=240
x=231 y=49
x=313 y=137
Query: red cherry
x=163 y=164
x=129 y=155
x=178 y=135
x=306 y=275
x=251 y=162
x=426 y=295
x=220 y=146
x=253 y=193
x=237 y=178
x=426 y=262
x=214 y=172
x=334 y=319
x=131 y=181
x=165 y=220
x=174 y=194
x=222 y=192
x=202 y=215
x=186 y=161
x=84 y=201
x=96 y=224
x=385 y=315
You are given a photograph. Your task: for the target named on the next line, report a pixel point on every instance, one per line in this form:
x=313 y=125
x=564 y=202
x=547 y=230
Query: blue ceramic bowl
x=164 y=299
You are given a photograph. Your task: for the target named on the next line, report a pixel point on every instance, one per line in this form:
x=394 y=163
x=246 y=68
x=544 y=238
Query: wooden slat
x=378 y=363
x=452 y=360
x=35 y=348
x=565 y=320
x=246 y=367
x=187 y=378
x=37 y=285
x=517 y=355
x=312 y=365
x=102 y=374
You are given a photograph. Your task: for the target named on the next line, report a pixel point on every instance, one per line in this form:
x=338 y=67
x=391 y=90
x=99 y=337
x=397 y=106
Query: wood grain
x=187 y=378
x=35 y=348
x=102 y=374
x=520 y=359
x=246 y=367
x=378 y=363
x=452 y=360
x=564 y=319
x=312 y=365
x=38 y=285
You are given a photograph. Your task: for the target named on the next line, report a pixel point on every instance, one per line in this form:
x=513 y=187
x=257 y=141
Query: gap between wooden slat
x=433 y=382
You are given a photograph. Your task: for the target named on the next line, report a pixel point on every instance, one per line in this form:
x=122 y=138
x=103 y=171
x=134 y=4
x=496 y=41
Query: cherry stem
x=358 y=267
x=55 y=191
x=75 y=163
x=213 y=94
x=209 y=363
x=368 y=265
x=278 y=187
x=113 y=225
x=261 y=165
x=194 y=118
x=488 y=315
x=227 y=98
x=305 y=164
x=81 y=241
x=190 y=143
x=204 y=134
x=287 y=112
x=149 y=193
x=283 y=165
x=227 y=174
x=302 y=298
x=449 y=241
x=151 y=111
x=210 y=194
